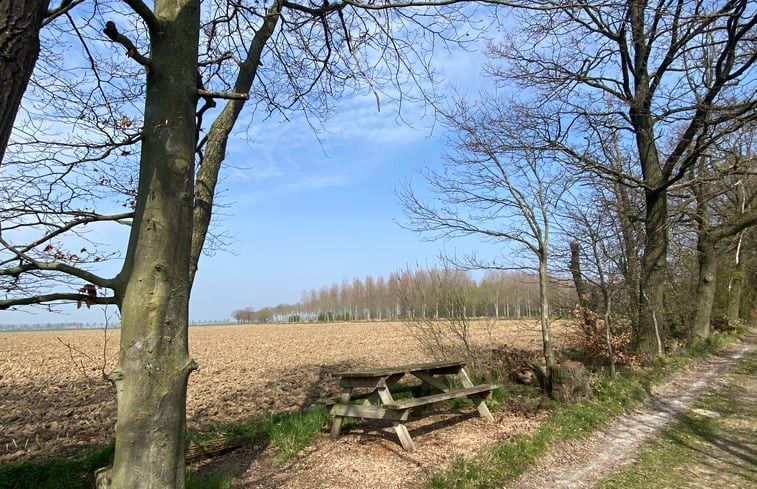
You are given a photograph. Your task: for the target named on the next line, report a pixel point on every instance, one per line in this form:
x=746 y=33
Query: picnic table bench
x=379 y=403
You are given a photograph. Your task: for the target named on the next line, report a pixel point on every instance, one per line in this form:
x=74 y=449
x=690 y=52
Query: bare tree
x=133 y=131
x=499 y=184
x=435 y=304
x=667 y=79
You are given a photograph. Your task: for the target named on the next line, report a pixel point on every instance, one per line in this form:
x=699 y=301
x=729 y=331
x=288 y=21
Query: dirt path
x=583 y=463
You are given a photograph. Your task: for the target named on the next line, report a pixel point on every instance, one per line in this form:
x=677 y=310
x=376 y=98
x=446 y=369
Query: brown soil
x=54 y=401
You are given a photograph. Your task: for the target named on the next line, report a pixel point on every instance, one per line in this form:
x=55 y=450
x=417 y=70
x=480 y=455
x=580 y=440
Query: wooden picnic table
x=380 y=404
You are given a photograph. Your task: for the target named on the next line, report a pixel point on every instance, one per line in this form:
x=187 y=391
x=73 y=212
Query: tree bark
x=546 y=331
x=706 y=275
x=154 y=364
x=587 y=318
x=650 y=332
x=705 y=293
x=20 y=23
x=569 y=382
x=736 y=288
x=629 y=237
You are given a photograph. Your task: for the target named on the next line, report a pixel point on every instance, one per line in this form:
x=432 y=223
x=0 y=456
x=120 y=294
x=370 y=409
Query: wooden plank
x=370 y=382
x=481 y=406
x=443 y=396
x=429 y=379
x=435 y=367
x=464 y=379
x=370 y=412
x=372 y=397
x=483 y=409
x=336 y=425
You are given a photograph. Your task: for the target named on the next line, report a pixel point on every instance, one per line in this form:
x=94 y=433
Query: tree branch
x=59 y=267
x=81 y=220
x=131 y=51
x=223 y=95
x=217 y=138
x=57 y=297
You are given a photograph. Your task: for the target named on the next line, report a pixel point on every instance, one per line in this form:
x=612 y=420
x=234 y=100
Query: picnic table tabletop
x=435 y=367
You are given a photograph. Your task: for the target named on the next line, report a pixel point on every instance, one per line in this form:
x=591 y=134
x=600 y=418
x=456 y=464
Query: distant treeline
x=52 y=326
x=434 y=293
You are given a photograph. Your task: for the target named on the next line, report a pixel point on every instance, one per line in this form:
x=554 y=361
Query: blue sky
x=306 y=214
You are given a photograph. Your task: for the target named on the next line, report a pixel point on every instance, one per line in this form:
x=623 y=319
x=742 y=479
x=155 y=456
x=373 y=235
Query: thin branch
x=81 y=220
x=64 y=7
x=147 y=15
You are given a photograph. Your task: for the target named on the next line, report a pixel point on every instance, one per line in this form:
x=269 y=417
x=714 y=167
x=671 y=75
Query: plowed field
x=53 y=399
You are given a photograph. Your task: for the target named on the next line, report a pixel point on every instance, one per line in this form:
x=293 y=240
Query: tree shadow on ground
x=321 y=386
x=57 y=419
x=733 y=447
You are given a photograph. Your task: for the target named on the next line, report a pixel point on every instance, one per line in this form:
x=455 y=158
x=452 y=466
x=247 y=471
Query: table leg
x=344 y=398
x=407 y=442
x=404 y=436
x=477 y=399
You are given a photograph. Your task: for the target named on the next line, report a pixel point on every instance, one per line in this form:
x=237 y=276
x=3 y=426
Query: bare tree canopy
x=123 y=132
x=660 y=83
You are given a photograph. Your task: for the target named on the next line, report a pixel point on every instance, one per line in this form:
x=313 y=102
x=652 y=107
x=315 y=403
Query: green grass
x=507 y=461
x=74 y=473
x=291 y=433
x=286 y=433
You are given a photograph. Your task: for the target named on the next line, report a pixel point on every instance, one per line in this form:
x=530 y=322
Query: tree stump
x=569 y=382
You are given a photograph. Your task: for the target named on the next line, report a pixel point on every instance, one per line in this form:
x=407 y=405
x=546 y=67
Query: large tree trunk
x=629 y=237
x=705 y=293
x=586 y=316
x=736 y=282
x=154 y=364
x=20 y=23
x=650 y=332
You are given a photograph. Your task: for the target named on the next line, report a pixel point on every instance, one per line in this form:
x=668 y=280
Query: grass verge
x=77 y=472
x=613 y=397
x=711 y=445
